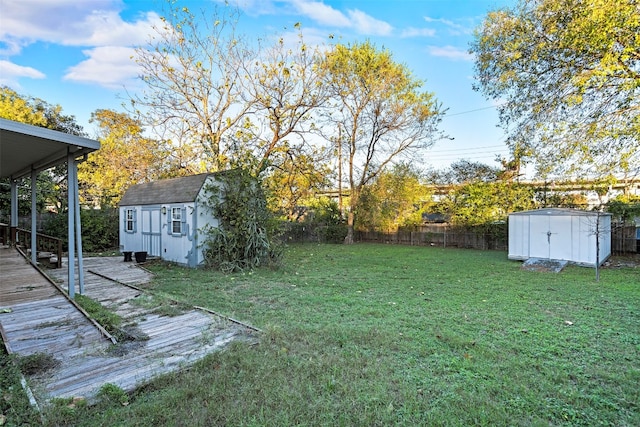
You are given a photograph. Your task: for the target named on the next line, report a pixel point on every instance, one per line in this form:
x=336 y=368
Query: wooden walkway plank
x=42 y=320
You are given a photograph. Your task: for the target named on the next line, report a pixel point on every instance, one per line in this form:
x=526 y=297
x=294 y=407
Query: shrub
x=243 y=238
x=99 y=229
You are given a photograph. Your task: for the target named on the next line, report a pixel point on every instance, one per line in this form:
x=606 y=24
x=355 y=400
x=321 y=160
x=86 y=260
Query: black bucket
x=127 y=256
x=141 y=257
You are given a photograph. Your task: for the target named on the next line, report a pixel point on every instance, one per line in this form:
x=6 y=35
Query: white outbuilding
x=165 y=219
x=576 y=236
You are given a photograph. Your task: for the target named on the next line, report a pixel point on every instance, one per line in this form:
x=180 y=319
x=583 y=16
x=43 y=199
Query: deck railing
x=44 y=243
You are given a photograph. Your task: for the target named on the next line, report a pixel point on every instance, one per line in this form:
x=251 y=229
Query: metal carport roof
x=25 y=148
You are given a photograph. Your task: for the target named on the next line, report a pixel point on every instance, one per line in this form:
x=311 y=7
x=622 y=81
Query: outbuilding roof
x=559 y=212
x=174 y=190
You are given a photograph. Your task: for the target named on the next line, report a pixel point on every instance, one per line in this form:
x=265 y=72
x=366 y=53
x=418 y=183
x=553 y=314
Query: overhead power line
x=473 y=111
x=473 y=157
x=480 y=148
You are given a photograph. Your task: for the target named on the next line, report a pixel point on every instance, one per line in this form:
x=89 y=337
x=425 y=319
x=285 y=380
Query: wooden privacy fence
x=438 y=236
x=623 y=237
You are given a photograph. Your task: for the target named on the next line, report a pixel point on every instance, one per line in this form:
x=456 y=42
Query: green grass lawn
x=377 y=335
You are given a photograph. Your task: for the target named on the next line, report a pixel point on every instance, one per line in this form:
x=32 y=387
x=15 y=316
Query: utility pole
x=340 y=169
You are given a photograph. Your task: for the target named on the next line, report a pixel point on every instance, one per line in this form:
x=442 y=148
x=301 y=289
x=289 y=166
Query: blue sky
x=77 y=53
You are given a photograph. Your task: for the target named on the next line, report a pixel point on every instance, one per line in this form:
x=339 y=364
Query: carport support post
x=14 y=210
x=78 y=228
x=71 y=205
x=598 y=247
x=34 y=225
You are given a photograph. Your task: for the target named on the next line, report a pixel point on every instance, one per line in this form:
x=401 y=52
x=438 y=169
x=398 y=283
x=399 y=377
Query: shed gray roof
x=174 y=190
x=559 y=212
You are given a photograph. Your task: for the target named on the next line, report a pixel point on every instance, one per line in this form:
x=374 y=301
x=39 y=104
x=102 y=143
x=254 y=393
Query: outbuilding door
x=550 y=237
x=151 y=234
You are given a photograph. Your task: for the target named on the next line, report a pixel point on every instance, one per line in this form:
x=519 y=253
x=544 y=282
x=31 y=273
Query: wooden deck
x=41 y=320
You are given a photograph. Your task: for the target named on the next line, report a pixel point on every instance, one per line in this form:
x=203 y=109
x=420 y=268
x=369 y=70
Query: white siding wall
x=564 y=237
x=583 y=242
x=177 y=246
x=130 y=241
x=518 y=237
x=605 y=237
x=589 y=233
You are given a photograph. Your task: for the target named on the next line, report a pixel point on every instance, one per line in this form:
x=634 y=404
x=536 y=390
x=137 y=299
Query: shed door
x=550 y=237
x=151 y=234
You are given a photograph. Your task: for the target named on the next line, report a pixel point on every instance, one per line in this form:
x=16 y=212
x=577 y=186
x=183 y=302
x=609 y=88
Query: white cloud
x=450 y=52
x=10 y=46
x=366 y=24
x=106 y=28
x=253 y=7
x=454 y=28
x=328 y=16
x=108 y=66
x=321 y=13
x=418 y=32
x=96 y=25
x=10 y=73
x=32 y=20
x=71 y=23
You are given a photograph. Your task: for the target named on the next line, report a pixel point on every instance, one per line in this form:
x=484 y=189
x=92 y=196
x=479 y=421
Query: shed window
x=176 y=220
x=130 y=220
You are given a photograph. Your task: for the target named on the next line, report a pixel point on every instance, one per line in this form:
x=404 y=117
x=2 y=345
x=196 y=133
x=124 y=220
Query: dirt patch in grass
x=37 y=363
x=544 y=265
x=629 y=261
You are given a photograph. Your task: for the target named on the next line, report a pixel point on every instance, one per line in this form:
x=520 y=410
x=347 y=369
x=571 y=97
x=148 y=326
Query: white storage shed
x=164 y=218
x=580 y=237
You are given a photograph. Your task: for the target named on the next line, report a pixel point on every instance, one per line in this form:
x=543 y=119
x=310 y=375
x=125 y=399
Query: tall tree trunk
x=348 y=240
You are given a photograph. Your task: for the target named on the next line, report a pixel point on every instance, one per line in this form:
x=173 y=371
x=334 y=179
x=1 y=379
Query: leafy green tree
x=36 y=112
x=126 y=157
x=378 y=114
x=292 y=182
x=99 y=228
x=284 y=90
x=18 y=108
x=397 y=198
x=463 y=171
x=226 y=103
x=482 y=203
x=559 y=199
x=324 y=211
x=625 y=207
x=567 y=74
x=322 y=221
